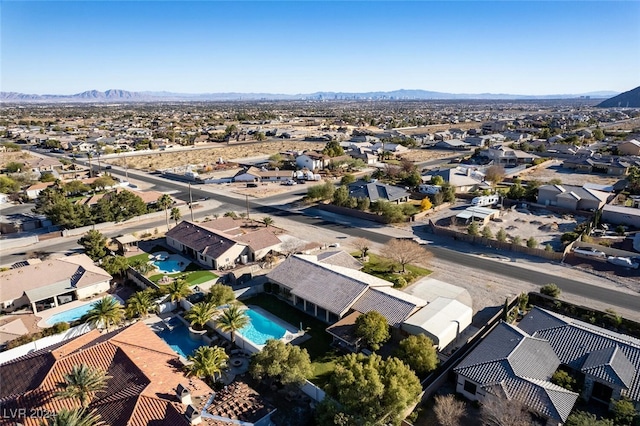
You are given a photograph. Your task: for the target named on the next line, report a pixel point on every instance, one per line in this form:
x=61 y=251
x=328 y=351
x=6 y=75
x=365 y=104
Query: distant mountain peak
x=630 y=99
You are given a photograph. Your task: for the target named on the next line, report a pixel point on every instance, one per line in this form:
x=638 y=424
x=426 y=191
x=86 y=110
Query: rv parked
x=485 y=200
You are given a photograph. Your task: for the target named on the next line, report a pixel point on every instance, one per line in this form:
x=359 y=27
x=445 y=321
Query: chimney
x=192 y=415
x=184 y=395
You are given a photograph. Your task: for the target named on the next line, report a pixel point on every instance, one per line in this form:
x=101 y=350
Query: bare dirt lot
x=165 y=160
x=17 y=156
x=420 y=155
x=554 y=170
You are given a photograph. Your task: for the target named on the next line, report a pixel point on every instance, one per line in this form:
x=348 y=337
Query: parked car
x=622 y=261
x=590 y=251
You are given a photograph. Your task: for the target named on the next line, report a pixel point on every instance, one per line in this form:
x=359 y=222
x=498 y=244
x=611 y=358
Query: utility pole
x=190 y=202
x=246 y=197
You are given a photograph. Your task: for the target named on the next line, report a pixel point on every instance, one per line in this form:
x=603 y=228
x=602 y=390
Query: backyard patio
x=151 y=261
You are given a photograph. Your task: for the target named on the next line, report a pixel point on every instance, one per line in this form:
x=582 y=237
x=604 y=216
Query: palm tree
x=143 y=266
x=177 y=290
x=139 y=304
x=164 y=202
x=74 y=417
x=231 y=320
x=207 y=361
x=176 y=215
x=267 y=221
x=199 y=314
x=82 y=383
x=107 y=312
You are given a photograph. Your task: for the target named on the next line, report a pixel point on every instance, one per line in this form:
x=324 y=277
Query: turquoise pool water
x=179 y=339
x=260 y=328
x=70 y=315
x=168 y=266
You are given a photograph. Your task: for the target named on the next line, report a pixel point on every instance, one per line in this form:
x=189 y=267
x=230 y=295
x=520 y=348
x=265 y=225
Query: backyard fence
x=313 y=391
x=43 y=343
x=140 y=280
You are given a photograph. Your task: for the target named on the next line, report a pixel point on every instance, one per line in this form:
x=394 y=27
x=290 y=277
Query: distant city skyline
x=515 y=47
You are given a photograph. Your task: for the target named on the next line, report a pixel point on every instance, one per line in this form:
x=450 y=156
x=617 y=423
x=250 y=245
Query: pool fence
x=45 y=342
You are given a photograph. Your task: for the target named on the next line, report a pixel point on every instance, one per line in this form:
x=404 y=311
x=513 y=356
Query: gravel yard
x=554 y=170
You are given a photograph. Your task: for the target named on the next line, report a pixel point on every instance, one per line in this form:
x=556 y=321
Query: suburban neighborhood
x=352 y=262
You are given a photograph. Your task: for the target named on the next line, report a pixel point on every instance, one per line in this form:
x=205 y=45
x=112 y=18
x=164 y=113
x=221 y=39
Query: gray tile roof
x=510 y=361
x=394 y=309
x=340 y=258
x=611 y=365
x=318 y=283
x=377 y=191
x=574 y=341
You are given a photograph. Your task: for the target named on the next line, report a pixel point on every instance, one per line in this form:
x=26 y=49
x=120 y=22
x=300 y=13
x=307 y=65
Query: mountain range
x=117 y=95
x=630 y=99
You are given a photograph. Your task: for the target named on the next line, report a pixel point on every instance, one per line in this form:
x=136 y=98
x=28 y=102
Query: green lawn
x=133 y=259
x=193 y=278
x=384 y=268
x=319 y=345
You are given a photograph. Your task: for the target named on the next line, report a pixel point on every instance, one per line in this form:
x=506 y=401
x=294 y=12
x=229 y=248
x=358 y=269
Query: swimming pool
x=71 y=314
x=179 y=339
x=260 y=328
x=169 y=266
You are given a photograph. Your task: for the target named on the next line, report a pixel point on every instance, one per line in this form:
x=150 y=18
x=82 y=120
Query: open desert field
x=165 y=160
x=421 y=155
x=554 y=170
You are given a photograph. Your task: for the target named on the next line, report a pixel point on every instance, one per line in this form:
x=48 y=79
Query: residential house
x=394 y=148
x=463 y=179
x=254 y=174
x=22 y=222
x=206 y=246
x=313 y=161
x=609 y=361
x=495 y=126
x=145 y=384
x=505 y=156
x=375 y=191
x=610 y=166
x=42 y=164
x=34 y=190
x=510 y=363
x=52 y=282
x=573 y=197
x=332 y=288
x=622 y=215
x=221 y=245
x=364 y=154
x=631 y=147
x=455 y=144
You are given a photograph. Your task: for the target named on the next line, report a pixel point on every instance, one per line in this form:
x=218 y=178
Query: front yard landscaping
x=384 y=268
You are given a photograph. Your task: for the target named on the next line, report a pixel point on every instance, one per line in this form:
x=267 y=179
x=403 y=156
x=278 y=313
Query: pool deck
x=45 y=315
x=291 y=332
x=172 y=256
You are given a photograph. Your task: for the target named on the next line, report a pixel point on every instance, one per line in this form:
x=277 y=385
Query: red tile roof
x=144 y=374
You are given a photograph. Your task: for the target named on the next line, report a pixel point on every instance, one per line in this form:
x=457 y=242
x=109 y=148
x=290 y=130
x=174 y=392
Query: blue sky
x=517 y=47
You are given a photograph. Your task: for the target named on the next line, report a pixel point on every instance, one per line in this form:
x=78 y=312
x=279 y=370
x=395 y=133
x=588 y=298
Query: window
x=470 y=387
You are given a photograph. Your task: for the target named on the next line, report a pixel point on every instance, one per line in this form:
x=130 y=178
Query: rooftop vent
x=192 y=415
x=184 y=394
